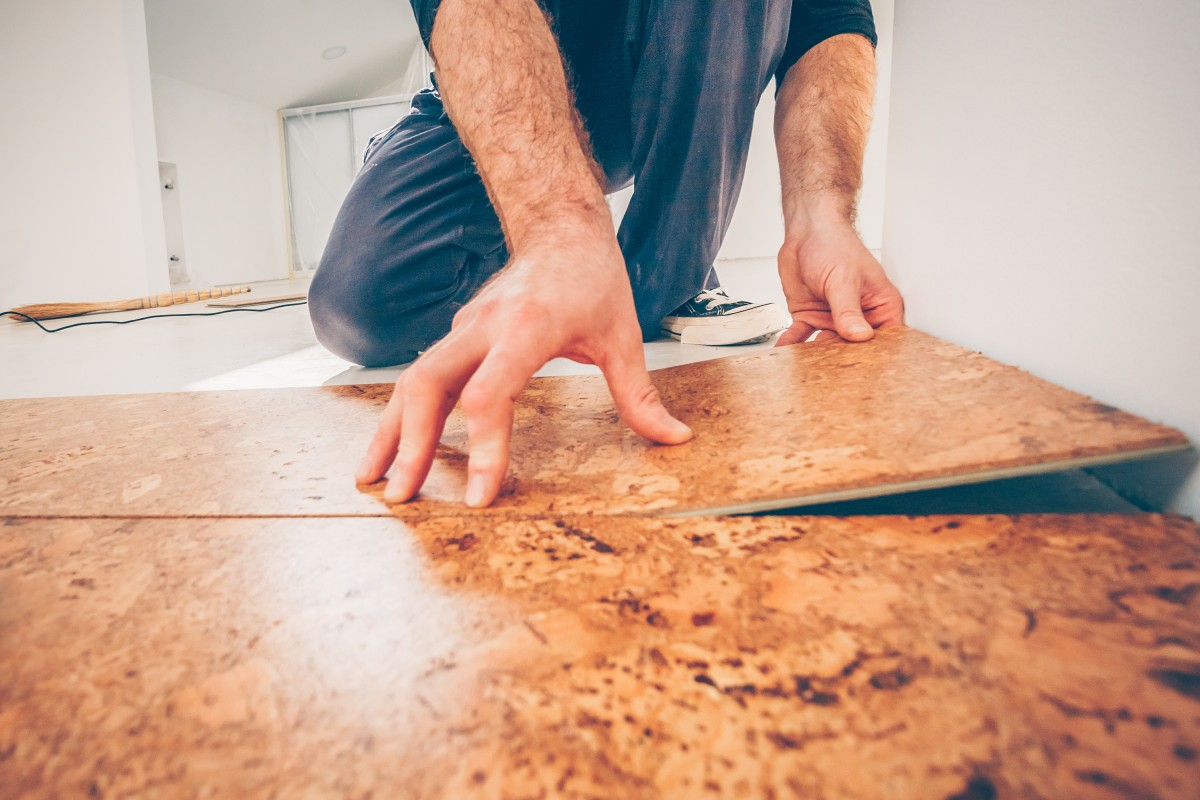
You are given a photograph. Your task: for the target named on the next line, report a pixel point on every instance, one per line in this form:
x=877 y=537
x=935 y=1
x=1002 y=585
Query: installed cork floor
x=1033 y=657
x=196 y=601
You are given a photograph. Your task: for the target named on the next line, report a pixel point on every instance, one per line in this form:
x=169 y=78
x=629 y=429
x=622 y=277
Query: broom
x=56 y=310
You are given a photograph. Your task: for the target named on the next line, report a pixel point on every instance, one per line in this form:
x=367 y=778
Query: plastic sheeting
x=323 y=149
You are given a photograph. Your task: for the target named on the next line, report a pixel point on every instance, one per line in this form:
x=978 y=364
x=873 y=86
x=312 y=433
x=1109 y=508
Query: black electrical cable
x=38 y=322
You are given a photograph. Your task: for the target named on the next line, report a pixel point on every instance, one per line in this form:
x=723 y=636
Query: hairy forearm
x=502 y=79
x=822 y=117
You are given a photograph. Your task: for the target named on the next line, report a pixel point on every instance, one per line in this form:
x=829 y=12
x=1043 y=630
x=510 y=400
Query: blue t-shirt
x=584 y=27
x=597 y=39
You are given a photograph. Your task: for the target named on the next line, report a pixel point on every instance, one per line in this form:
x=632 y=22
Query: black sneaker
x=714 y=318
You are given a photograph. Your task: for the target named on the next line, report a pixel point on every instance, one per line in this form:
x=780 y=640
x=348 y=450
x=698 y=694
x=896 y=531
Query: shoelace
x=712 y=298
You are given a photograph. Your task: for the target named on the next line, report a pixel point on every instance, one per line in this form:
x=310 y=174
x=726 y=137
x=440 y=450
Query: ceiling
x=269 y=51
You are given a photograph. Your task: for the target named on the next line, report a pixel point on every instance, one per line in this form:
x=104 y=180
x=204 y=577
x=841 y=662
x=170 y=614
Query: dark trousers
x=669 y=102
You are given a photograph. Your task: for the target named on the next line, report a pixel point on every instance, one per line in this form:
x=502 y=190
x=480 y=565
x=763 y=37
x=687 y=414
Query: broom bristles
x=55 y=310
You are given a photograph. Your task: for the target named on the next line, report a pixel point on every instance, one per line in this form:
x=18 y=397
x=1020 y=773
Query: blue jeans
x=668 y=101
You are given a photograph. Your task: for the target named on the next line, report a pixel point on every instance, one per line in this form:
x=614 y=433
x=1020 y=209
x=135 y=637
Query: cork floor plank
x=1031 y=657
x=800 y=425
x=240 y=453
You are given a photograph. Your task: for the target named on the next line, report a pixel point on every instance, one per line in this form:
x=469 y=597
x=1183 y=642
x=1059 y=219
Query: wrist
x=558 y=219
x=818 y=215
x=565 y=226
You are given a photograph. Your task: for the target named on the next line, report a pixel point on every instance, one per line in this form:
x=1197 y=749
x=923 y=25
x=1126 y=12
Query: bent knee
x=351 y=326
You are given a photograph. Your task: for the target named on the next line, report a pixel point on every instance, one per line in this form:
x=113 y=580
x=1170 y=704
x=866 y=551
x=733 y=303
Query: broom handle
x=55 y=310
x=194 y=296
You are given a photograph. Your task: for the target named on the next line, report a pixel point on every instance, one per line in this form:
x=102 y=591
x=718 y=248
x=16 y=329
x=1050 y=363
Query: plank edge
x=941 y=482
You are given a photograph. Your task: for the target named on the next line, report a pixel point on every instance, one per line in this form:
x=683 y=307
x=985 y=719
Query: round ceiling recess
x=334 y=52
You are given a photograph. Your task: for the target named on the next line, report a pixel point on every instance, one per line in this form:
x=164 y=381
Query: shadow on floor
x=1074 y=492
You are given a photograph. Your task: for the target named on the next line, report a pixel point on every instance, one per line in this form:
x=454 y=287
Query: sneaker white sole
x=746 y=327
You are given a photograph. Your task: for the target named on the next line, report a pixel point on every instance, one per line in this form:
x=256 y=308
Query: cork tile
x=1032 y=657
x=268 y=452
x=805 y=424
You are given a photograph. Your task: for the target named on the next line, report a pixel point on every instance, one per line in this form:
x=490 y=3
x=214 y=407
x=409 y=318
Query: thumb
x=638 y=402
x=845 y=306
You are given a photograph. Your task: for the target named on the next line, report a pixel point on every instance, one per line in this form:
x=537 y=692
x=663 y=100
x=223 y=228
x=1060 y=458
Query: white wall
x=757 y=227
x=230 y=182
x=415 y=77
x=80 y=214
x=1042 y=201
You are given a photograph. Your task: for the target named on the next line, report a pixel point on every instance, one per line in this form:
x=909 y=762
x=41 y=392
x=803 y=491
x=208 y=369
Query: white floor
x=275 y=349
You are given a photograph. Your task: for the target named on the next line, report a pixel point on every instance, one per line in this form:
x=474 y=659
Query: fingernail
x=859 y=327
x=392 y=493
x=680 y=429
x=476 y=490
x=364 y=470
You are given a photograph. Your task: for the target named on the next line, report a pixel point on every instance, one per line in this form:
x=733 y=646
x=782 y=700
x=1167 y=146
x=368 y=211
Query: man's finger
x=381 y=452
x=888 y=313
x=487 y=402
x=431 y=388
x=799 y=332
x=637 y=400
x=845 y=301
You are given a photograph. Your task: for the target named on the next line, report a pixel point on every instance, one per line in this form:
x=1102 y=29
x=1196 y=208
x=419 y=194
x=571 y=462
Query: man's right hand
x=565 y=294
x=565 y=291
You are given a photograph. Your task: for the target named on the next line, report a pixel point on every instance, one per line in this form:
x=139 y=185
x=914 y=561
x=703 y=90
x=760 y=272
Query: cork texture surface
x=826 y=420
x=1031 y=657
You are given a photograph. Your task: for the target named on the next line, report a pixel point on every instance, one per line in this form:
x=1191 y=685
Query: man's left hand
x=834 y=284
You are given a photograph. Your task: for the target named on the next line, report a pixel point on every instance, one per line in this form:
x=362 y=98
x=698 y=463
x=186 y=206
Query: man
x=477 y=231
